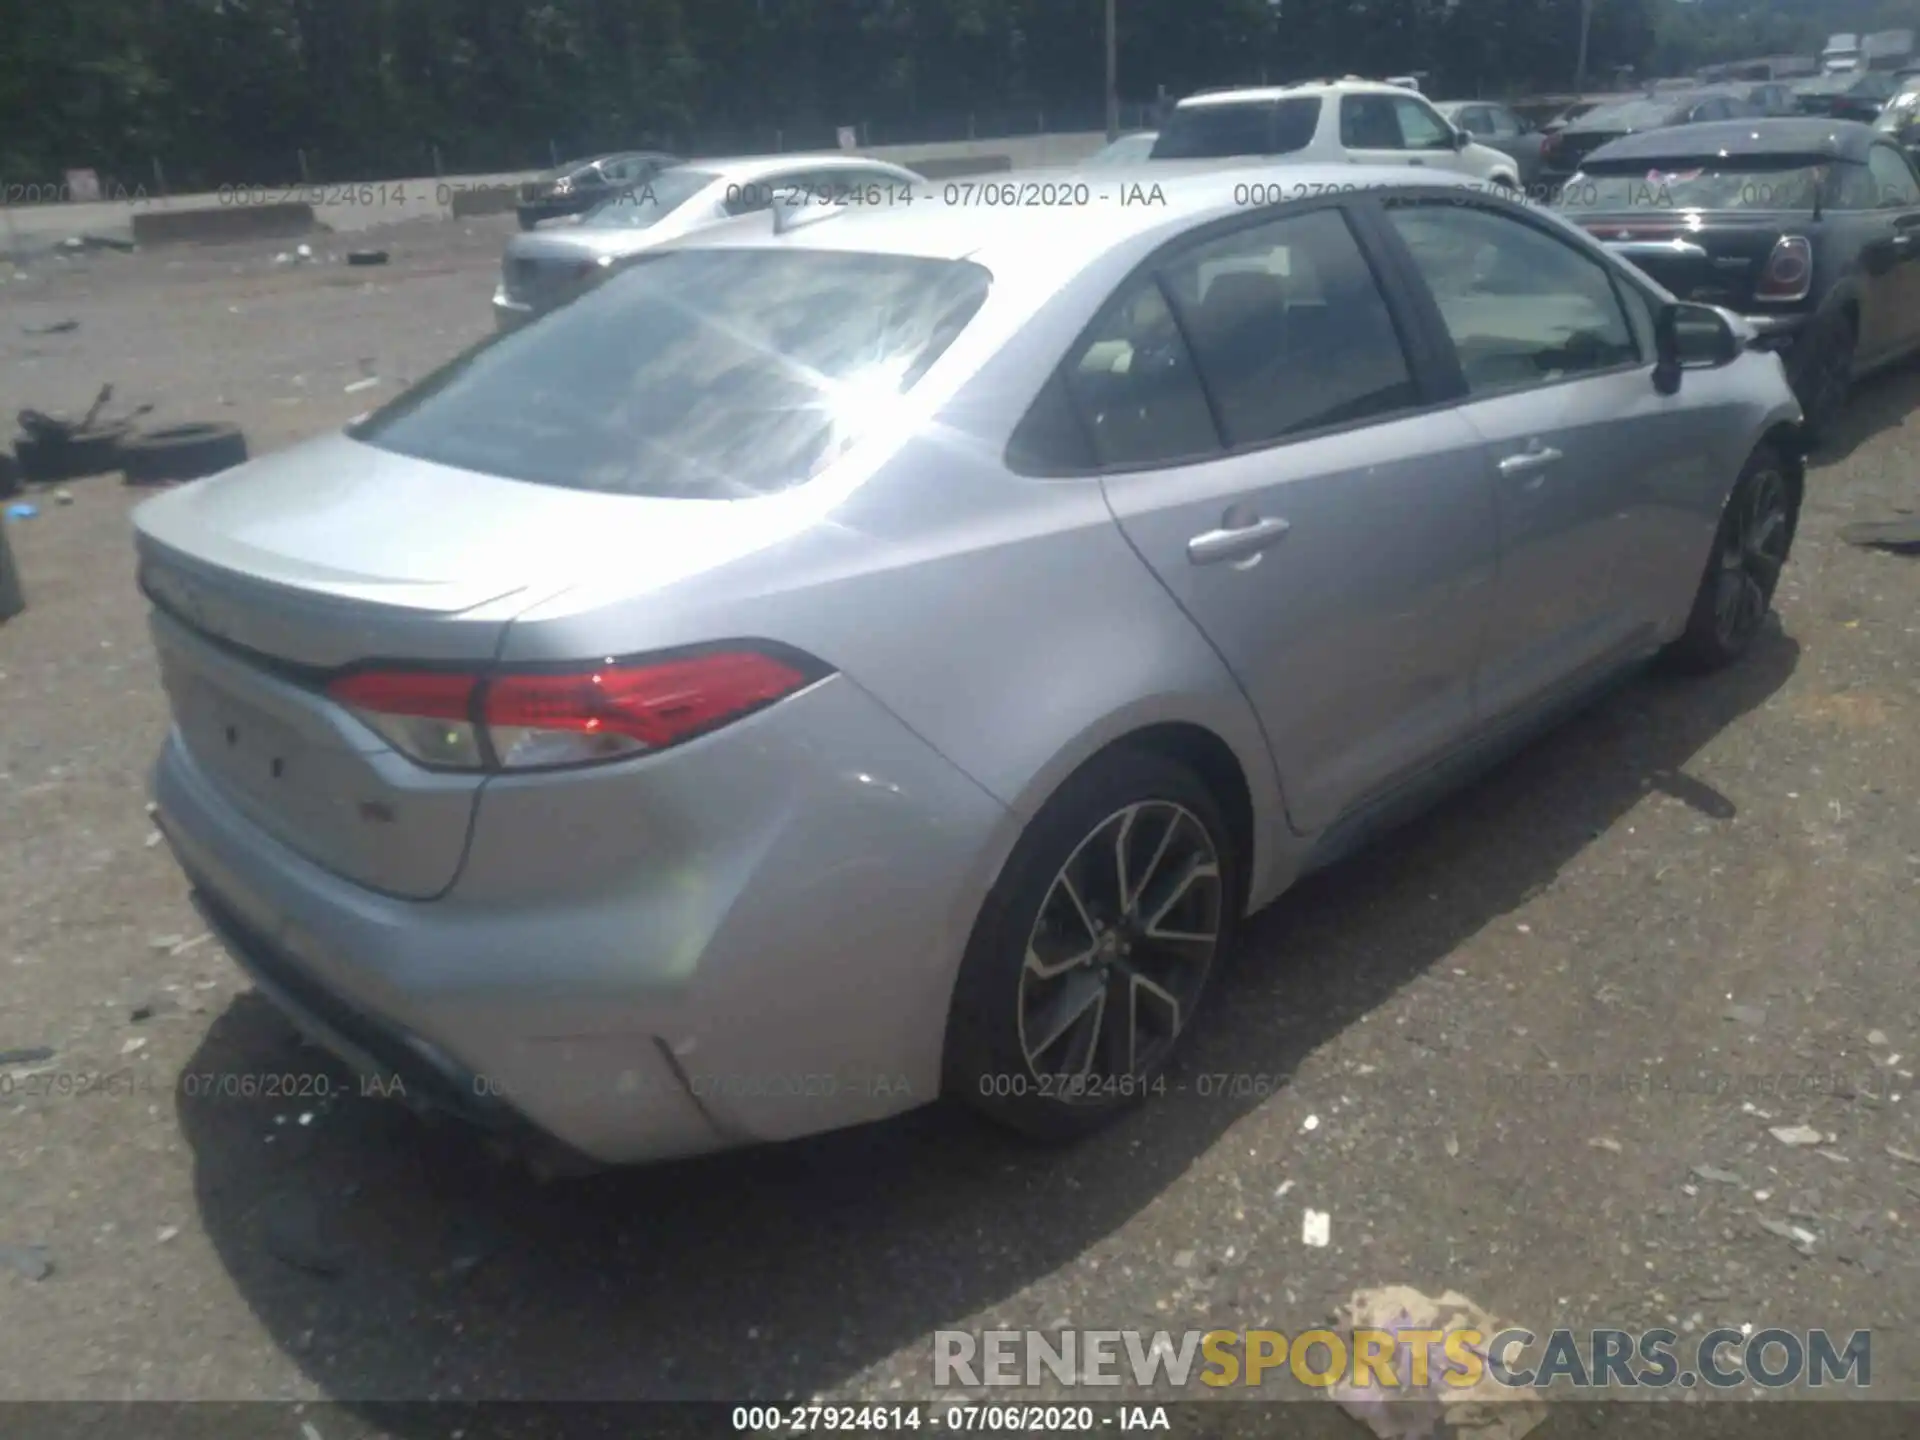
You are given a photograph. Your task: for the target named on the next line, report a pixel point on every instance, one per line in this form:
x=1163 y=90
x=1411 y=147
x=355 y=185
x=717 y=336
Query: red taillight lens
x=1788 y=274
x=421 y=694
x=536 y=719
x=1550 y=144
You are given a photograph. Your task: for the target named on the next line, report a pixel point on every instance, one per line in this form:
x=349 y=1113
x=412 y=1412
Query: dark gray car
x=1560 y=157
x=1493 y=124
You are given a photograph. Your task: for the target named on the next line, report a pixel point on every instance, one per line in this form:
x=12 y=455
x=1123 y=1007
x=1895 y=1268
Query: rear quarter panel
x=1004 y=619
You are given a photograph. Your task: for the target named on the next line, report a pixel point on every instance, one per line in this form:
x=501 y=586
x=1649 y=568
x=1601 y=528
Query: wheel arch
x=1240 y=777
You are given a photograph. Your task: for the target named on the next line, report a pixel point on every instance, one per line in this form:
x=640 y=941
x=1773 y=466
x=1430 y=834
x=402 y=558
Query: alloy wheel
x=1752 y=552
x=1121 y=949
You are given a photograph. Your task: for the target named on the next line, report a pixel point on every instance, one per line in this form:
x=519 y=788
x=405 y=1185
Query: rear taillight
x=1788 y=273
x=536 y=719
x=1550 y=144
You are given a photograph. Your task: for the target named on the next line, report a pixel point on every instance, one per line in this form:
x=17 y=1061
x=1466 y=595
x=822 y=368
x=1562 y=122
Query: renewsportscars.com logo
x=1363 y=1359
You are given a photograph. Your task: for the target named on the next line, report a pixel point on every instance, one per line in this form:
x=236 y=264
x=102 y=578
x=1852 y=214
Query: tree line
x=199 y=93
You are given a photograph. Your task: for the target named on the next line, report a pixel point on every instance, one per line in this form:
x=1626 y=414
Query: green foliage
x=239 y=91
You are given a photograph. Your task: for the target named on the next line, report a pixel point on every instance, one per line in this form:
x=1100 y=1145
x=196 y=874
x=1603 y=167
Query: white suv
x=1318 y=121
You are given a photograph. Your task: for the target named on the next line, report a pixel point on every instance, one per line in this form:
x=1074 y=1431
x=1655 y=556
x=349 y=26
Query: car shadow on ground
x=1881 y=402
x=789 y=1269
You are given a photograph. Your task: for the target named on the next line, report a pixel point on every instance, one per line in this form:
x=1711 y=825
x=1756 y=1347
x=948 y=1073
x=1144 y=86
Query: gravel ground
x=1500 y=1050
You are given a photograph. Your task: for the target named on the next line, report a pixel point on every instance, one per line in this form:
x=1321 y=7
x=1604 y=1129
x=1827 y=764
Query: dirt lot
x=1700 y=897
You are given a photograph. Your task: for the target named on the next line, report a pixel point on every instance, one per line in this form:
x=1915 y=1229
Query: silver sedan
x=543 y=268
x=818 y=672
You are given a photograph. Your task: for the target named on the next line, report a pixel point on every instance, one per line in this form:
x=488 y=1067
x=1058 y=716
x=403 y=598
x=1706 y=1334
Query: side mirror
x=1691 y=337
x=1461 y=139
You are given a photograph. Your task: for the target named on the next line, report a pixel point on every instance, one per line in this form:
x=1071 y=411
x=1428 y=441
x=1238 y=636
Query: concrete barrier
x=468 y=200
x=950 y=167
x=223 y=222
x=32 y=229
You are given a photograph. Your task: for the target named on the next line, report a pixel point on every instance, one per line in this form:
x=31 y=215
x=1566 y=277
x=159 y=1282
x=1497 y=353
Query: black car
x=1855 y=96
x=1808 y=228
x=1567 y=147
x=579 y=185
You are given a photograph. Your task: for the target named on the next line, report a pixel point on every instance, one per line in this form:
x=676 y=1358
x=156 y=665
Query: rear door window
x=700 y=373
x=1135 y=387
x=1289 y=329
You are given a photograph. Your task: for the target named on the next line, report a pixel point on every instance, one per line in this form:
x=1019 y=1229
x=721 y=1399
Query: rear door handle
x=1528 y=461
x=1236 y=543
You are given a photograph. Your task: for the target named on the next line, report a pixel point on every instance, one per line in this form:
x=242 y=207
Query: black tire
x=69 y=455
x=529 y=218
x=1824 y=378
x=181 y=452
x=986 y=1062
x=1752 y=544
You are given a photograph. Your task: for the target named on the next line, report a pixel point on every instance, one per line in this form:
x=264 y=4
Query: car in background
x=1567 y=148
x=1852 y=95
x=579 y=185
x=1493 y=124
x=1360 y=122
x=1899 y=118
x=1772 y=98
x=1127 y=150
x=548 y=267
x=665 y=727
x=1808 y=228
x=1586 y=105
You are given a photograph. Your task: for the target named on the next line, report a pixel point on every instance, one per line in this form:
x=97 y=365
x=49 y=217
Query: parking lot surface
x=1531 y=1049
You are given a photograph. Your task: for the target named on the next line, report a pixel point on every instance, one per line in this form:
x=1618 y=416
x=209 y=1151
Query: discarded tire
x=181 y=452
x=69 y=454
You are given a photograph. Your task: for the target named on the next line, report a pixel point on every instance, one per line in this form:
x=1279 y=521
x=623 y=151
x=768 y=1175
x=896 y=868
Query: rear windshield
x=648 y=203
x=701 y=373
x=1790 y=183
x=1241 y=127
x=1627 y=115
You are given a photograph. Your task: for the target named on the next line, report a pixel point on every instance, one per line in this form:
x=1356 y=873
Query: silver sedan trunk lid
x=268 y=578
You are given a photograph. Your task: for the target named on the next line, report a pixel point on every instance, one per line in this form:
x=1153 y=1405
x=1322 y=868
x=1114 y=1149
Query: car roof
x=1305 y=89
x=1788 y=135
x=1012 y=236
x=751 y=167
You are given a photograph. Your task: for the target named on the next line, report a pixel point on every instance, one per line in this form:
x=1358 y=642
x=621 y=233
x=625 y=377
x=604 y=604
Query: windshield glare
x=699 y=374
x=649 y=202
x=1697 y=185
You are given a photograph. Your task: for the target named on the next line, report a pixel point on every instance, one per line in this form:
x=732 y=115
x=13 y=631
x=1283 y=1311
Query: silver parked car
x=821 y=671
x=545 y=267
